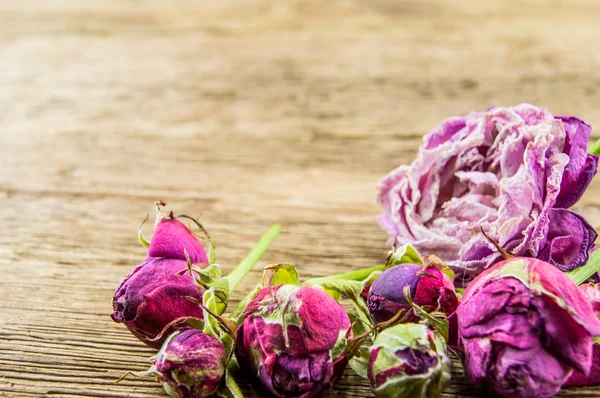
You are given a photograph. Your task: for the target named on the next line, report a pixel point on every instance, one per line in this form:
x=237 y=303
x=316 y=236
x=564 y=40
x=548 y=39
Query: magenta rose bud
x=524 y=326
x=429 y=288
x=191 y=364
x=514 y=172
x=154 y=293
x=294 y=340
x=172 y=239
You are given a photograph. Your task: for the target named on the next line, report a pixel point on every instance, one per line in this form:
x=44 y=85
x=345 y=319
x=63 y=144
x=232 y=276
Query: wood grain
x=249 y=113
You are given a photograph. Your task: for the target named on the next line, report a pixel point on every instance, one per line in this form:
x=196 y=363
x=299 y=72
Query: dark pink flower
x=524 y=326
x=294 y=340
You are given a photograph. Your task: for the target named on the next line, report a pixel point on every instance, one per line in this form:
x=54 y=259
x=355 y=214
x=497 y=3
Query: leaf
x=279 y=274
x=209 y=274
x=238 y=311
x=594 y=149
x=405 y=254
x=351 y=290
x=360 y=362
x=581 y=274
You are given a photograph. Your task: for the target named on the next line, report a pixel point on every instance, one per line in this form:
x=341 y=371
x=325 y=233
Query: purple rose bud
x=191 y=364
x=154 y=293
x=429 y=288
x=408 y=360
x=524 y=326
x=592 y=292
x=294 y=340
x=511 y=171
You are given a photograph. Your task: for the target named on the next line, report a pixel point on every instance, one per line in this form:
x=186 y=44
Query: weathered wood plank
x=249 y=112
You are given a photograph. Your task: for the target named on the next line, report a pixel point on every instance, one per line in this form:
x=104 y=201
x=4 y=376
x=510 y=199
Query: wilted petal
x=582 y=167
x=172 y=238
x=569 y=239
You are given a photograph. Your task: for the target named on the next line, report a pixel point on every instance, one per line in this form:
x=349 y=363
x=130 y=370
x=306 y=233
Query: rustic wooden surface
x=249 y=113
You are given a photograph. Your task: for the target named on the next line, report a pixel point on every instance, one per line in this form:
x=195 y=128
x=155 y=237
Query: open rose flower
x=513 y=172
x=294 y=340
x=524 y=327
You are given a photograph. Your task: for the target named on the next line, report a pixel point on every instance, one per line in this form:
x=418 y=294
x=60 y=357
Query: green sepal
x=581 y=274
x=405 y=254
x=211 y=324
x=215 y=325
x=210 y=277
x=594 y=149
x=360 y=362
x=279 y=274
x=141 y=238
x=358 y=326
x=351 y=290
x=229 y=387
x=437 y=320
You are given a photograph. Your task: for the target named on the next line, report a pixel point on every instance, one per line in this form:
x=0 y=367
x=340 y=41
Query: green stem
x=594 y=149
x=583 y=273
x=236 y=276
x=357 y=275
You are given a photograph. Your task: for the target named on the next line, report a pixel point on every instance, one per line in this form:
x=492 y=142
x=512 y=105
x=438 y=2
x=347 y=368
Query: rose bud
x=514 y=172
x=592 y=292
x=191 y=364
x=408 y=360
x=294 y=340
x=430 y=288
x=524 y=326
x=152 y=296
x=154 y=293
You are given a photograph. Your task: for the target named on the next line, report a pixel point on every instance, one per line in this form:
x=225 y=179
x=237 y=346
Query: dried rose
x=430 y=288
x=191 y=364
x=294 y=340
x=524 y=326
x=408 y=360
x=513 y=171
x=155 y=293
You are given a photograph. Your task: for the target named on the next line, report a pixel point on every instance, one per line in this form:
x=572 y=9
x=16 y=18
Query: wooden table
x=249 y=113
